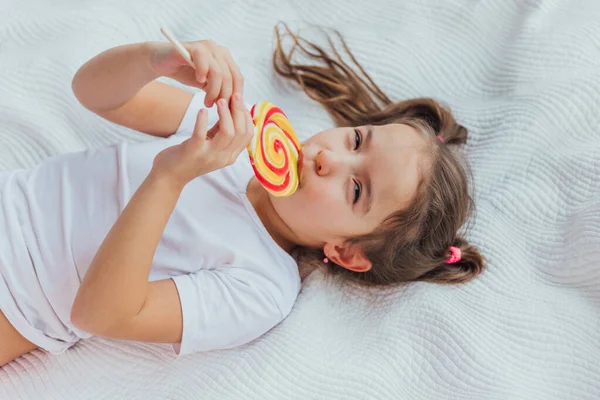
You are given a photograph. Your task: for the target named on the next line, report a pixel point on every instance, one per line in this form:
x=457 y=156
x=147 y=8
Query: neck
x=277 y=228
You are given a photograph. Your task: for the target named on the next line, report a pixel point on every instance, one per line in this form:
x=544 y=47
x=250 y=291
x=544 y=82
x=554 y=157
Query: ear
x=352 y=258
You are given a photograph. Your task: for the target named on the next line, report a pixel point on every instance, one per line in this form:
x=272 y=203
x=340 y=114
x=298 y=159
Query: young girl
x=175 y=241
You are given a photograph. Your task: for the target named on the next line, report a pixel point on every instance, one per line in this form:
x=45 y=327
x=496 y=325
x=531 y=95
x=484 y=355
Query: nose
x=328 y=162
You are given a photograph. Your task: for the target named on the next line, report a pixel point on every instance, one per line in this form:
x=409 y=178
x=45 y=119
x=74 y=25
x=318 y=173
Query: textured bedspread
x=523 y=76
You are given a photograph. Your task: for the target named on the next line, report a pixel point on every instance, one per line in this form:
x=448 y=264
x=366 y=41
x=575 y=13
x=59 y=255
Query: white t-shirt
x=235 y=283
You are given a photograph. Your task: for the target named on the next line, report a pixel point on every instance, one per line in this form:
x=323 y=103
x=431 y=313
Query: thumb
x=187 y=76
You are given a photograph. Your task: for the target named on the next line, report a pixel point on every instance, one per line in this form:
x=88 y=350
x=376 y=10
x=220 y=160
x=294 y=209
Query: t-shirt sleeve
x=186 y=127
x=222 y=309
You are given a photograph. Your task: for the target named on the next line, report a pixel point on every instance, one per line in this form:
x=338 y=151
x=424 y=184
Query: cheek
x=325 y=196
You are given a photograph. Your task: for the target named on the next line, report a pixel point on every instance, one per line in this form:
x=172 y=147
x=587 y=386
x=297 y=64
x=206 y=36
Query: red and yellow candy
x=274 y=150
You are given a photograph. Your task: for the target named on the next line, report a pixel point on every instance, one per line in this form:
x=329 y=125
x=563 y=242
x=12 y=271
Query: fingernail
x=237 y=97
x=222 y=102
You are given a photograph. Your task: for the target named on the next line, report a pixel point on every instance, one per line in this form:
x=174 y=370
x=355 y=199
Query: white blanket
x=523 y=76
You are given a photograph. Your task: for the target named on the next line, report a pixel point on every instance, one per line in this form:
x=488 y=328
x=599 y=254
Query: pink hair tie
x=441 y=138
x=455 y=256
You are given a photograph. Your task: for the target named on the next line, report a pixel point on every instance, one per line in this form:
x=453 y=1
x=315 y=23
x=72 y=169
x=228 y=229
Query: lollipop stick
x=182 y=50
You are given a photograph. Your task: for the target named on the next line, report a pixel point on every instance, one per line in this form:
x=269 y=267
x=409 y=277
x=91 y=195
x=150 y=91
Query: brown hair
x=413 y=243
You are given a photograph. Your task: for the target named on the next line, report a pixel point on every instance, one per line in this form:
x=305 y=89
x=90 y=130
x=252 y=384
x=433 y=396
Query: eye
x=357 y=191
x=357 y=139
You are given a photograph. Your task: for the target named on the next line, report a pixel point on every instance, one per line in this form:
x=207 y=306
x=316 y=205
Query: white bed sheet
x=523 y=76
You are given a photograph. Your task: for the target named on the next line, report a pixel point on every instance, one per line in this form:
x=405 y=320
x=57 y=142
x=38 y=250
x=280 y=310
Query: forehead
x=395 y=166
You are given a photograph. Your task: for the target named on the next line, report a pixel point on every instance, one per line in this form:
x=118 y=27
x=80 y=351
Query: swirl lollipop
x=274 y=150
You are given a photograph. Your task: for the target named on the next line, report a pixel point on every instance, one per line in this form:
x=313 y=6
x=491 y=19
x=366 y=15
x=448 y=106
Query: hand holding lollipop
x=274 y=150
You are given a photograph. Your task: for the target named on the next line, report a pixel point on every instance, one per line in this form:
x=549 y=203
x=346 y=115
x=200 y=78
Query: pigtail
x=471 y=264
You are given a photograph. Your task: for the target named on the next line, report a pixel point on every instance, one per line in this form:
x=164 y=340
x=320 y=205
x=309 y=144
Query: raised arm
x=120 y=84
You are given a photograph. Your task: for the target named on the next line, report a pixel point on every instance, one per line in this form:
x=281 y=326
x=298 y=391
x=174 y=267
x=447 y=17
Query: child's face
x=350 y=181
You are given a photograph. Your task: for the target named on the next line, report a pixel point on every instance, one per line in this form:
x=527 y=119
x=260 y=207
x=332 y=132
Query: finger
x=227 y=83
x=236 y=74
x=226 y=129
x=248 y=130
x=200 y=60
x=213 y=131
x=238 y=113
x=202 y=63
x=246 y=134
x=215 y=77
x=242 y=137
x=188 y=78
x=201 y=126
x=249 y=126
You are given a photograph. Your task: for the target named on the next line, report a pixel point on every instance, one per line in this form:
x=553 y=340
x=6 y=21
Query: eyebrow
x=366 y=148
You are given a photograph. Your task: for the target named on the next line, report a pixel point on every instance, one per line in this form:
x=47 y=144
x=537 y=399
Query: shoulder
x=230 y=306
x=276 y=278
